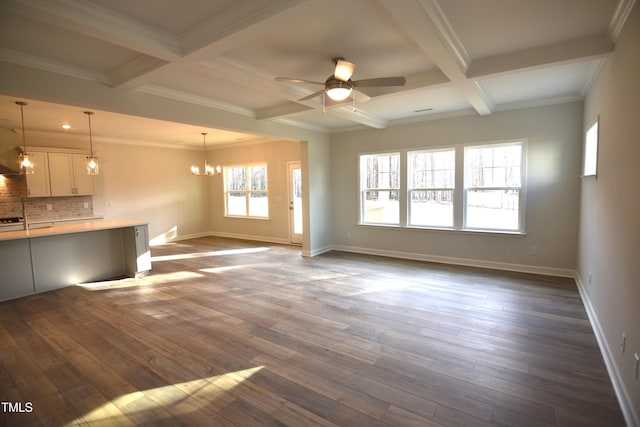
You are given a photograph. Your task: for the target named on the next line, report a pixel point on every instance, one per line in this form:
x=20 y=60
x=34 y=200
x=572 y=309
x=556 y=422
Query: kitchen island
x=41 y=259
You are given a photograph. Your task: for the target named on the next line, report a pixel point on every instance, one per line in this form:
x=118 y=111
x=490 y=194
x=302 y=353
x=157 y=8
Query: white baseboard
x=318 y=251
x=160 y=241
x=549 y=271
x=266 y=239
x=631 y=417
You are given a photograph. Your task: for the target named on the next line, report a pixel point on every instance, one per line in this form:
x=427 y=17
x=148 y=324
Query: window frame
x=247 y=190
x=362 y=190
x=590 y=149
x=521 y=188
x=411 y=188
x=459 y=192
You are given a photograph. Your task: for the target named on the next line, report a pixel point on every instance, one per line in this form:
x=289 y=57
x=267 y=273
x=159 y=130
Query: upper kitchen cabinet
x=38 y=181
x=68 y=175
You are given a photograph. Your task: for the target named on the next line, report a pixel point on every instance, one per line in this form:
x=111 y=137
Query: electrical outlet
x=49 y=207
x=534 y=250
x=623 y=343
x=86 y=205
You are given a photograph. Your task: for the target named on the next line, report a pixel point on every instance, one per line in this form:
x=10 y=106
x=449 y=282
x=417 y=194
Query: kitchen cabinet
x=68 y=175
x=38 y=181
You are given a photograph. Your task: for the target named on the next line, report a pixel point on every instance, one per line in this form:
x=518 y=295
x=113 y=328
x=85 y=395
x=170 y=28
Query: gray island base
x=43 y=259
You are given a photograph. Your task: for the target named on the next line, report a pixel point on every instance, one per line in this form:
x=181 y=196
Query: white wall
x=151 y=184
x=276 y=155
x=609 y=236
x=317 y=174
x=554 y=135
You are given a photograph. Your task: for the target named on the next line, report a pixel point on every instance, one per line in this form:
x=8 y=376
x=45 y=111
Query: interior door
x=295 y=203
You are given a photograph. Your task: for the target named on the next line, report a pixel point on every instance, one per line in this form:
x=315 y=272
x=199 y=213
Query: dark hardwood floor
x=227 y=332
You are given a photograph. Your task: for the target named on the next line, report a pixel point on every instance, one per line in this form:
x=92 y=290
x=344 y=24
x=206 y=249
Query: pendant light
x=26 y=166
x=208 y=169
x=92 y=161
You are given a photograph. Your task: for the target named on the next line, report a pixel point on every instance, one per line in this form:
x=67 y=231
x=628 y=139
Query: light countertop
x=68 y=228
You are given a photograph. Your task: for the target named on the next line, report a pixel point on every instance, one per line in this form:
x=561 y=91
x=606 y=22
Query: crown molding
x=177 y=95
x=619 y=18
x=26 y=60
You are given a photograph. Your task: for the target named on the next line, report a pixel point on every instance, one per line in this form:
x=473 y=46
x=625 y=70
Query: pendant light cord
x=89 y=113
x=24 y=140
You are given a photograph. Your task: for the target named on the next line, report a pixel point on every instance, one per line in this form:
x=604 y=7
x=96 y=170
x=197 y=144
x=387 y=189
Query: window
x=591 y=150
x=245 y=191
x=431 y=185
x=380 y=188
x=475 y=188
x=493 y=186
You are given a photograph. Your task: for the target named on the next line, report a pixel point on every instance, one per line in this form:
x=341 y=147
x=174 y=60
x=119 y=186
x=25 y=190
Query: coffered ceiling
x=458 y=56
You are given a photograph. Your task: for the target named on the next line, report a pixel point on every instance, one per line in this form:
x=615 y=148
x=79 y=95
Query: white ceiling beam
x=359 y=116
x=26 y=60
x=425 y=23
x=100 y=23
x=248 y=75
x=569 y=51
x=619 y=18
x=230 y=26
x=284 y=110
x=242 y=23
x=140 y=66
x=476 y=96
x=190 y=98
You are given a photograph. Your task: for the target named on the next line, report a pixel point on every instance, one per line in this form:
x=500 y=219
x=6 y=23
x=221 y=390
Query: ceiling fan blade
x=344 y=69
x=381 y=81
x=289 y=80
x=313 y=95
x=360 y=96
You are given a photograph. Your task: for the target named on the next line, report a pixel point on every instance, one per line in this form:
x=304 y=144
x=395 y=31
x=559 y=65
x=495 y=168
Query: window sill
x=445 y=229
x=259 y=218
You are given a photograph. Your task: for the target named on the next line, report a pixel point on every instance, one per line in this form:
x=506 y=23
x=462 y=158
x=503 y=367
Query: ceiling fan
x=339 y=85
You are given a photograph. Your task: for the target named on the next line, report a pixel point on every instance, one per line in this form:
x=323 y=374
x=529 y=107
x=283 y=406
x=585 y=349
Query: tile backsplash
x=10 y=190
x=37 y=207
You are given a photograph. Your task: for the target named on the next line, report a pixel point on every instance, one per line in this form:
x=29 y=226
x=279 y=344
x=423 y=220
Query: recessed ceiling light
x=65 y=126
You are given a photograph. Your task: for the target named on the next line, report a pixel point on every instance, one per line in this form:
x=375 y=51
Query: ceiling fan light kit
x=344 y=69
x=338 y=90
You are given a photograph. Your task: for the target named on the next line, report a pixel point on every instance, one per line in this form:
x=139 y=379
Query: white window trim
x=522 y=189
x=590 y=148
x=245 y=166
x=361 y=210
x=411 y=189
x=459 y=198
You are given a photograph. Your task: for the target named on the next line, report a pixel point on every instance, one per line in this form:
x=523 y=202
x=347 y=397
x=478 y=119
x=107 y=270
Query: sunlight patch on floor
x=225 y=268
x=207 y=254
x=156 y=279
x=172 y=400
